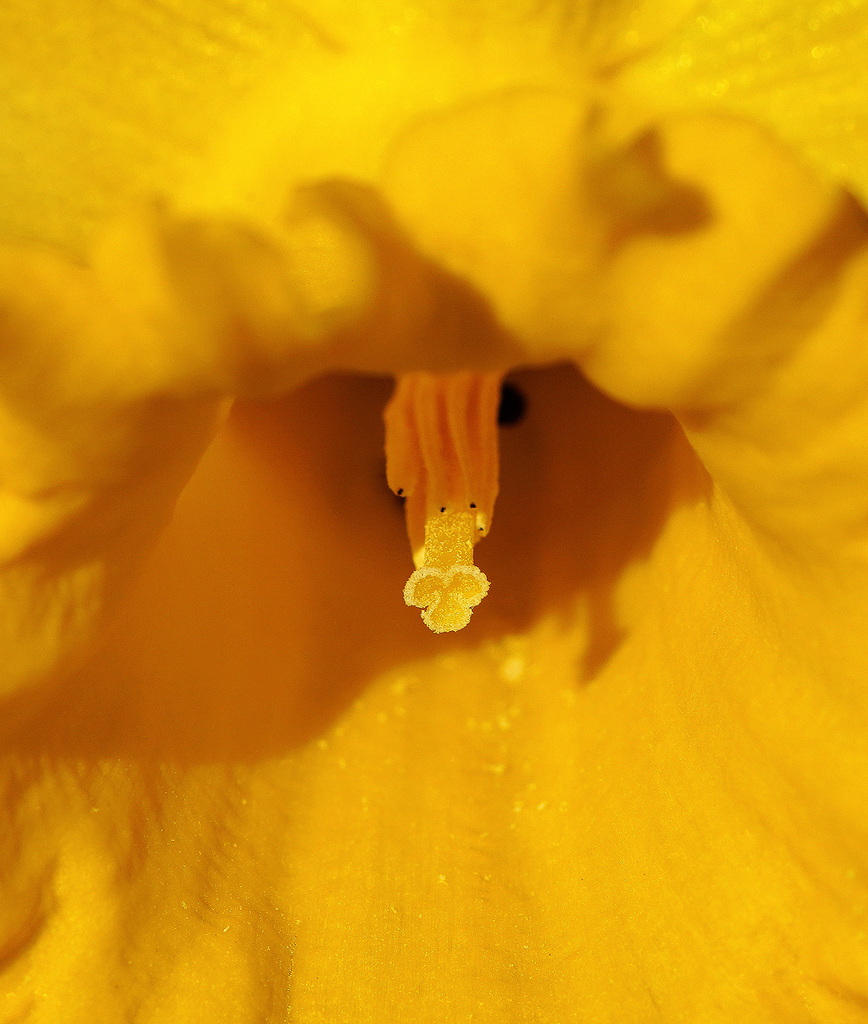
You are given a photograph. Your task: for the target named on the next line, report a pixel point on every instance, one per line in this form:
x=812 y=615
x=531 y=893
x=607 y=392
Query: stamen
x=441 y=455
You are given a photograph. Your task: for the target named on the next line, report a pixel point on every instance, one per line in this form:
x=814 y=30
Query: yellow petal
x=234 y=104
x=616 y=31
x=796 y=67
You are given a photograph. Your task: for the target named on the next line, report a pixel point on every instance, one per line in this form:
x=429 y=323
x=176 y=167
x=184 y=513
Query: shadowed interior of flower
x=219 y=611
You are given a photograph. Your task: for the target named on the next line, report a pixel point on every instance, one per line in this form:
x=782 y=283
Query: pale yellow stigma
x=442 y=457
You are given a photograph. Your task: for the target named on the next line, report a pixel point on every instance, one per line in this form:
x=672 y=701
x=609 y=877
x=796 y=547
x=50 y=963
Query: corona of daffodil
x=262 y=261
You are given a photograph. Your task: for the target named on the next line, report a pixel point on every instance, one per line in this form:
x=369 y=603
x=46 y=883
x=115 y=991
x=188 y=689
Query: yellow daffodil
x=242 y=781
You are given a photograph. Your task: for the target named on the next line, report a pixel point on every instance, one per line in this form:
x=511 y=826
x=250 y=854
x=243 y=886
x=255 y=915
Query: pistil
x=442 y=458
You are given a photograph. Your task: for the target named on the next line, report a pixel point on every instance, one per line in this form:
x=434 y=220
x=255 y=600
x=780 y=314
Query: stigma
x=442 y=458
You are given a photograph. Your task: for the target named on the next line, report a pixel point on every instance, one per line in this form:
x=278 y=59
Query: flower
x=241 y=782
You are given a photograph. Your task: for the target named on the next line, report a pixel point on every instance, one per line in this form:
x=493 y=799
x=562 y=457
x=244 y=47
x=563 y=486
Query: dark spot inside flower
x=512 y=408
x=635 y=195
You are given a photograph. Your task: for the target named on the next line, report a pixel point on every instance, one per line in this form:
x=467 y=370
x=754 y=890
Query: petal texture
x=232 y=102
x=296 y=805
x=797 y=68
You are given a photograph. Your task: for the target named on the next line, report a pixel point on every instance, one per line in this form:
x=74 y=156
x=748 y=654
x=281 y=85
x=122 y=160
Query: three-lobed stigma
x=442 y=458
x=448 y=586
